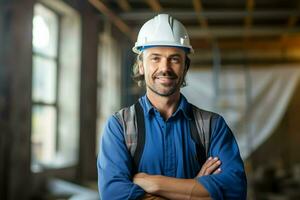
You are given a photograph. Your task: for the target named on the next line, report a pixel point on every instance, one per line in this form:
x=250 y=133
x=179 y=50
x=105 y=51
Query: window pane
x=43 y=135
x=45 y=31
x=44 y=80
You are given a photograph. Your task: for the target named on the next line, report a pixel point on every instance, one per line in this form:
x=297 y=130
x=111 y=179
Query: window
x=44 y=86
x=55 y=86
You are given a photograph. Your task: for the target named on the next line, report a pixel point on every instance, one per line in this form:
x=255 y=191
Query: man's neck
x=165 y=105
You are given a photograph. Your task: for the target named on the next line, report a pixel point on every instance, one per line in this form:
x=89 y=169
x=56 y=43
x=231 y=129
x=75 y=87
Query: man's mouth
x=165 y=79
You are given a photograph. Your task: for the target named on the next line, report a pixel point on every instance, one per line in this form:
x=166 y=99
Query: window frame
x=55 y=104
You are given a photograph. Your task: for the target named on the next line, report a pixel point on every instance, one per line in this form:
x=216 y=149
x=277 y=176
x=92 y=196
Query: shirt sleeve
x=231 y=183
x=114 y=165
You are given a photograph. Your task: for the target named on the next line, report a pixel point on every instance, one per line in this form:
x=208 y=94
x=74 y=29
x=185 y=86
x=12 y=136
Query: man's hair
x=140 y=78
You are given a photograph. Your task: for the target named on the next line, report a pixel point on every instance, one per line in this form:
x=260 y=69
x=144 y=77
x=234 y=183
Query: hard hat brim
x=139 y=49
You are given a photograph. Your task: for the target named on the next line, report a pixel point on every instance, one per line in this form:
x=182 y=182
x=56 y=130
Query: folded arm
x=175 y=188
x=229 y=184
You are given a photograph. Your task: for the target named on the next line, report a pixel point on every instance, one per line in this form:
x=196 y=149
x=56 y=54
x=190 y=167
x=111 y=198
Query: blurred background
x=65 y=67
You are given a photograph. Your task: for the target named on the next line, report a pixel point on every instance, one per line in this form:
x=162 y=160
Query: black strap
x=200 y=149
x=141 y=135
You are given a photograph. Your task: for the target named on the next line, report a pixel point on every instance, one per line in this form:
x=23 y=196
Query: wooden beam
x=118 y=22
x=214 y=14
x=197 y=6
x=290 y=42
x=88 y=97
x=237 y=32
x=292 y=21
x=154 y=5
x=202 y=20
x=198 y=10
x=249 y=54
x=16 y=178
x=264 y=45
x=124 y=5
x=249 y=8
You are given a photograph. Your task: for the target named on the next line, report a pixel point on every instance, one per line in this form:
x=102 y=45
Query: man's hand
x=211 y=166
x=145 y=181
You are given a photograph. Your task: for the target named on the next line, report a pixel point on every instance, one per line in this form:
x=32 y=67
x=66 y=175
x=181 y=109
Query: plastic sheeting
x=252 y=100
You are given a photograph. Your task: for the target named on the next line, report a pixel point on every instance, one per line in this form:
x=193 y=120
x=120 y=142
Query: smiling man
x=178 y=151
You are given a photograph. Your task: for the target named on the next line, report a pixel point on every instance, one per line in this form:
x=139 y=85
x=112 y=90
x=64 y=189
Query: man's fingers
x=217 y=171
x=204 y=166
x=209 y=163
x=210 y=166
x=214 y=166
x=140 y=175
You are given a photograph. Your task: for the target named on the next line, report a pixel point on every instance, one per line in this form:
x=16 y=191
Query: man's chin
x=164 y=92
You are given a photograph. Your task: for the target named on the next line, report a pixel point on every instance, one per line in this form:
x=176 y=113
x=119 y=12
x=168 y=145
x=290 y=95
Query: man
x=168 y=167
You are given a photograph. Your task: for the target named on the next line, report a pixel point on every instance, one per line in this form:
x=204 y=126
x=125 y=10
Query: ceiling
x=252 y=31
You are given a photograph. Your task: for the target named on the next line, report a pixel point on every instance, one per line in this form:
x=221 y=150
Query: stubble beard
x=167 y=93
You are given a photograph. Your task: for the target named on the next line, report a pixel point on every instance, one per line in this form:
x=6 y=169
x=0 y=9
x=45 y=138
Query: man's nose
x=165 y=64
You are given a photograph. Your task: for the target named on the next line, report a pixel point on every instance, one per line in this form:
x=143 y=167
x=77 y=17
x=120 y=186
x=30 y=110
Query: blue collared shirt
x=169 y=151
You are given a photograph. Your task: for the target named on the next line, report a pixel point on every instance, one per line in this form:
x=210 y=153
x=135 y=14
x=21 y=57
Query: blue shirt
x=169 y=151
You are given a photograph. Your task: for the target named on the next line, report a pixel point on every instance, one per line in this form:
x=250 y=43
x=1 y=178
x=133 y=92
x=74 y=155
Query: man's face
x=164 y=69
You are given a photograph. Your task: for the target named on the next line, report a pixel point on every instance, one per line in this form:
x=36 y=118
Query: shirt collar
x=147 y=103
x=183 y=107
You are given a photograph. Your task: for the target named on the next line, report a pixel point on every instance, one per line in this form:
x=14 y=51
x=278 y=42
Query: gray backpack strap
x=202 y=122
x=133 y=123
x=127 y=118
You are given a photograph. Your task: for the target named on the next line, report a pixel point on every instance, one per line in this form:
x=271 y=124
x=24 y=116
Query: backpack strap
x=200 y=131
x=133 y=123
x=140 y=134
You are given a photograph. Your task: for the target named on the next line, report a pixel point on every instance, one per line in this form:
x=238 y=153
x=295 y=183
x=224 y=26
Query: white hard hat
x=162 y=30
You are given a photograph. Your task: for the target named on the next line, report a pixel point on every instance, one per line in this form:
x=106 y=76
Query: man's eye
x=155 y=59
x=175 y=60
